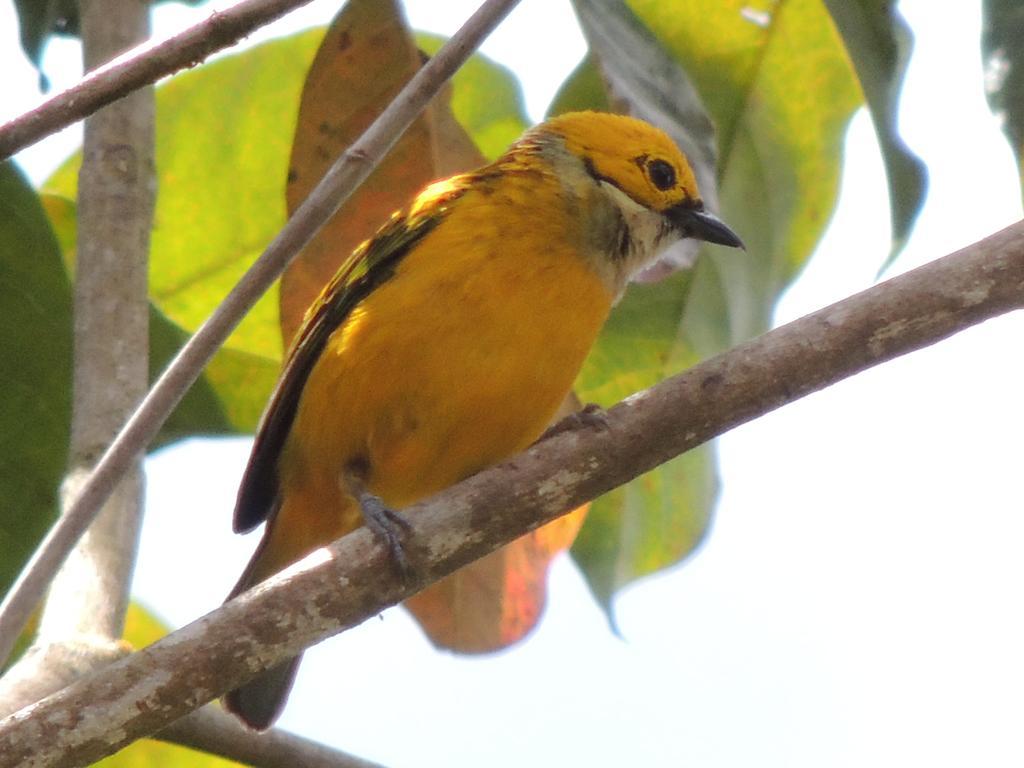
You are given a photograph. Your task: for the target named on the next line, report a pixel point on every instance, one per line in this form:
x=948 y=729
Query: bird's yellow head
x=645 y=191
x=630 y=154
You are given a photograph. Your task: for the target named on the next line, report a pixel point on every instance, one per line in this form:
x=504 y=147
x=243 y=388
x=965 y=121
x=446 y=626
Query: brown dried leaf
x=366 y=57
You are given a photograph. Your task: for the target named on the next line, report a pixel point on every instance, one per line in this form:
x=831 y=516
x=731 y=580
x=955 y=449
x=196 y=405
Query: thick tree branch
x=116 y=185
x=339 y=182
x=141 y=66
x=144 y=692
x=48 y=667
x=45 y=669
x=83 y=617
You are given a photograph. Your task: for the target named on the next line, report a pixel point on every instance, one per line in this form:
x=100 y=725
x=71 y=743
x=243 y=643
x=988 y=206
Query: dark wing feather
x=369 y=265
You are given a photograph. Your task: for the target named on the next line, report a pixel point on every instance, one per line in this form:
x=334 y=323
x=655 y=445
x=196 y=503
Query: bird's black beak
x=693 y=221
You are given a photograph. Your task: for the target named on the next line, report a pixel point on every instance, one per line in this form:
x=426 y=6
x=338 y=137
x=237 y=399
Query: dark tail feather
x=259 y=702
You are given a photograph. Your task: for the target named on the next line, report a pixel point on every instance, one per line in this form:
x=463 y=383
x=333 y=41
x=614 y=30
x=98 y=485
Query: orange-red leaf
x=496 y=601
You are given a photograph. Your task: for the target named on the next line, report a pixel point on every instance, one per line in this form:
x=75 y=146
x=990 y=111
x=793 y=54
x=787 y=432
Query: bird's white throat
x=649 y=235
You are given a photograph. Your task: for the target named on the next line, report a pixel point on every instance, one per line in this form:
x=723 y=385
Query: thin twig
x=353 y=579
x=140 y=66
x=212 y=730
x=337 y=185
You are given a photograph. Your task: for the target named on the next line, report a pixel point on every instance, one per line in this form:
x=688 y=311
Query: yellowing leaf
x=142 y=628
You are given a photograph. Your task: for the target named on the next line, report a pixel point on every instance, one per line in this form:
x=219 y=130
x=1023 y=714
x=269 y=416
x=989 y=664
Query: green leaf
x=487 y=100
x=243 y=382
x=659 y=518
x=643 y=80
x=780 y=88
x=40 y=19
x=636 y=530
x=640 y=344
x=583 y=89
x=35 y=389
x=879 y=44
x=223 y=140
x=200 y=411
x=1002 y=47
x=777 y=83
x=215 y=404
x=224 y=132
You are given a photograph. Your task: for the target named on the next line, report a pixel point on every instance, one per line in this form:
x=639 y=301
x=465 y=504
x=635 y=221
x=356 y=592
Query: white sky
x=858 y=601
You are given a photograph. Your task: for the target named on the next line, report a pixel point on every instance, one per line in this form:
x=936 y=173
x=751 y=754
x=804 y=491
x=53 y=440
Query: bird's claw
x=390 y=527
x=590 y=416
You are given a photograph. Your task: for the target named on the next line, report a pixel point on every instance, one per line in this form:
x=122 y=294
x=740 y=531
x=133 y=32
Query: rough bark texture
x=353 y=579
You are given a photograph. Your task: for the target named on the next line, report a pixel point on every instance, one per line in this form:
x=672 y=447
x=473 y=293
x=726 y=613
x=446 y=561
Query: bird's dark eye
x=662 y=175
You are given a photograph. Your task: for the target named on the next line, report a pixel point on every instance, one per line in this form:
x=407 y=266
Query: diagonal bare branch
x=338 y=183
x=144 y=692
x=141 y=66
x=45 y=669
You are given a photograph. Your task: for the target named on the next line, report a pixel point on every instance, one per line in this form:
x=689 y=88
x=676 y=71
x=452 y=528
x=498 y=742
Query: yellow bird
x=446 y=342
